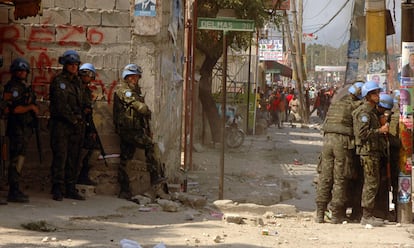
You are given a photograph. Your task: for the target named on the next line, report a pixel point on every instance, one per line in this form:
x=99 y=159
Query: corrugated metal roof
x=24 y=8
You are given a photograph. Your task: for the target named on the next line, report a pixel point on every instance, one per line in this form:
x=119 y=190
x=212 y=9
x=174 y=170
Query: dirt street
x=268 y=202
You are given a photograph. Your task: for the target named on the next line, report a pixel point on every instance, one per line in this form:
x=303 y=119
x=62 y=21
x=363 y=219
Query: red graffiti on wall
x=70 y=32
x=9 y=35
x=40 y=38
x=94 y=36
x=107 y=93
x=39 y=35
x=42 y=65
x=42 y=74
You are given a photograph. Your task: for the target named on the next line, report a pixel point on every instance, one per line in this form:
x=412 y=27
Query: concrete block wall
x=107 y=34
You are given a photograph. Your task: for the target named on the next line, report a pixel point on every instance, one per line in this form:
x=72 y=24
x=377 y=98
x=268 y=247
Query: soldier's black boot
x=72 y=193
x=338 y=215
x=356 y=215
x=368 y=218
x=84 y=173
x=320 y=212
x=15 y=195
x=123 y=180
x=57 y=192
x=156 y=179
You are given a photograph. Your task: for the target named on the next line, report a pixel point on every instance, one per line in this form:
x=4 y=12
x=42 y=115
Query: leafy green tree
x=210 y=44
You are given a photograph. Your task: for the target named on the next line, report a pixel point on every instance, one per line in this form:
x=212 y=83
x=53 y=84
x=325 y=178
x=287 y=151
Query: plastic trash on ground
x=126 y=243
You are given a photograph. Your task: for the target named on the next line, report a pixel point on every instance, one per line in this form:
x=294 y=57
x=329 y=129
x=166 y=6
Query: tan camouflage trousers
x=371 y=166
x=333 y=178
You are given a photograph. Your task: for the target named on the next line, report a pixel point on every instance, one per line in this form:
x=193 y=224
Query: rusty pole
x=193 y=86
x=223 y=116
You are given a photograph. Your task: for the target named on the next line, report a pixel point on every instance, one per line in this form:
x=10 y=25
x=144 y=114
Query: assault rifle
x=387 y=118
x=35 y=123
x=91 y=125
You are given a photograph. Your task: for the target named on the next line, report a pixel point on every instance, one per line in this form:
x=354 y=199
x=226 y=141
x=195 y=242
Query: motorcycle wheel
x=234 y=138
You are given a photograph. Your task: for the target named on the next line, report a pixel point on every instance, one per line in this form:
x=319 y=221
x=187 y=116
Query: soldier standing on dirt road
x=66 y=127
x=87 y=73
x=370 y=146
x=337 y=155
x=130 y=116
x=22 y=115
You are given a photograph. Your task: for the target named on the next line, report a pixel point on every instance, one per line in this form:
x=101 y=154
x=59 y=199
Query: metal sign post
x=224 y=24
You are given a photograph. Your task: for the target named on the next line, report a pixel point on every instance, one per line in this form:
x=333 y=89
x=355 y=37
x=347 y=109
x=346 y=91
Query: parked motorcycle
x=234 y=134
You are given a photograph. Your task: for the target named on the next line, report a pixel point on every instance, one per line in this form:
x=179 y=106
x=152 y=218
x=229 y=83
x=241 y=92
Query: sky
x=317 y=13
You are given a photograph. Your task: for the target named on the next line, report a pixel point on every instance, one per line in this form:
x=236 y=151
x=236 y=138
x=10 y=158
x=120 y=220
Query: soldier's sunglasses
x=86 y=73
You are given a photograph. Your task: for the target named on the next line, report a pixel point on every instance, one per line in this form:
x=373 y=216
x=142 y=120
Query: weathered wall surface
x=107 y=34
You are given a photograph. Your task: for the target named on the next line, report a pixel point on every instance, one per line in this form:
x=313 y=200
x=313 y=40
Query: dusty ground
x=269 y=180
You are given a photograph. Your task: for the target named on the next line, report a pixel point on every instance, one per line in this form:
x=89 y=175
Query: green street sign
x=276 y=71
x=225 y=24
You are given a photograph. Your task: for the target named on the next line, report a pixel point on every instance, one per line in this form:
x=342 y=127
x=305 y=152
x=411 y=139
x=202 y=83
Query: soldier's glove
x=141 y=108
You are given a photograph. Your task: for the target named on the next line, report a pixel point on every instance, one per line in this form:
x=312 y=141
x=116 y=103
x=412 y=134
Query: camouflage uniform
x=336 y=159
x=66 y=130
x=371 y=147
x=19 y=130
x=132 y=127
x=89 y=142
x=395 y=146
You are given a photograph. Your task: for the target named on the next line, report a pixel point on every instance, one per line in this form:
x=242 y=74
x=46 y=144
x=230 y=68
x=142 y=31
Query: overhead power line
x=333 y=17
x=320 y=11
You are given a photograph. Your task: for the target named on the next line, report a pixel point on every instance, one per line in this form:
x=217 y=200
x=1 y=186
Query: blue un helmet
x=396 y=94
x=131 y=69
x=19 y=64
x=69 y=57
x=386 y=101
x=368 y=87
x=355 y=89
x=87 y=69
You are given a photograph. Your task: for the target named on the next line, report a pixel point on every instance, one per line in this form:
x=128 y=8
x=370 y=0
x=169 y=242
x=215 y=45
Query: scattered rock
x=167 y=205
x=39 y=226
x=233 y=218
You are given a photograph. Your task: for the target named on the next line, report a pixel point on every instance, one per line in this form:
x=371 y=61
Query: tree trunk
x=207 y=100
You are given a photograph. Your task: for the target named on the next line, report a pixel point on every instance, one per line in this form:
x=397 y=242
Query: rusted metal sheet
x=24 y=8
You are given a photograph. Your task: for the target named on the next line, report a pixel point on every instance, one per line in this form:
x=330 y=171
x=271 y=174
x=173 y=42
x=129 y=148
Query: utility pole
x=376 y=31
x=298 y=61
x=305 y=105
x=404 y=206
x=354 y=44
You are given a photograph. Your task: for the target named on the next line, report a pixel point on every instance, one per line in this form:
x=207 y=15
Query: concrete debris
x=218 y=239
x=40 y=226
x=194 y=201
x=189 y=216
x=251 y=209
x=143 y=200
x=233 y=218
x=168 y=206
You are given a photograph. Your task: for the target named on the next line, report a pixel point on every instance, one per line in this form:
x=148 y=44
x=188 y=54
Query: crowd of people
x=281 y=104
x=360 y=138
x=71 y=127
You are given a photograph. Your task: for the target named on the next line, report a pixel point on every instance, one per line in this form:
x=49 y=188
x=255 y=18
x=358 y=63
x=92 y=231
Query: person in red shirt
x=289 y=97
x=274 y=102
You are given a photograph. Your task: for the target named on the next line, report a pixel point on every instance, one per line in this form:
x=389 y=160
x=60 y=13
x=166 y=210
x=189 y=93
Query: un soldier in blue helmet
x=371 y=147
x=131 y=119
x=66 y=127
x=21 y=118
x=337 y=156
